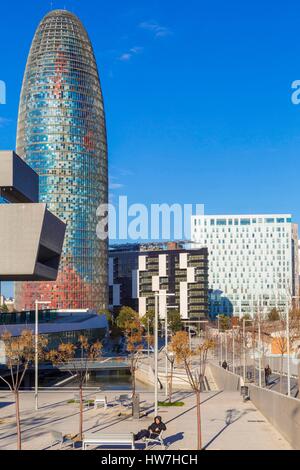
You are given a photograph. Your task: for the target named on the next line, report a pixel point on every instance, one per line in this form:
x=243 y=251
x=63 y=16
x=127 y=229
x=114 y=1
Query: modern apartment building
x=253 y=259
x=136 y=273
x=123 y=266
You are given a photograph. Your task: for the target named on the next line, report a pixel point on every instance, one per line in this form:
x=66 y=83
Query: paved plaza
x=227 y=422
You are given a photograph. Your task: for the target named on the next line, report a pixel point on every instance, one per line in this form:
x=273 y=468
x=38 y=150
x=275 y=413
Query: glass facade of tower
x=62 y=136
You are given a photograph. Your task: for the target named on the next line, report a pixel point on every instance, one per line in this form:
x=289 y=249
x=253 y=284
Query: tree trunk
x=281 y=373
x=81 y=413
x=17 y=405
x=254 y=367
x=199 y=434
x=133 y=378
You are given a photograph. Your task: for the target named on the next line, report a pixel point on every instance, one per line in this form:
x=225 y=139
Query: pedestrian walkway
x=227 y=422
x=274 y=381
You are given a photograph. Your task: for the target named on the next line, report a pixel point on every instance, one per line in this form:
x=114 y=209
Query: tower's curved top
x=62 y=136
x=60 y=12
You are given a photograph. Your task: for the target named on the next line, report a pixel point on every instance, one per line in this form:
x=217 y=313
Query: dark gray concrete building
x=31 y=237
x=136 y=272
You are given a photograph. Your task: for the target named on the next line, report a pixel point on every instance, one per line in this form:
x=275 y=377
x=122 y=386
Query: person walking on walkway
x=225 y=365
x=268 y=373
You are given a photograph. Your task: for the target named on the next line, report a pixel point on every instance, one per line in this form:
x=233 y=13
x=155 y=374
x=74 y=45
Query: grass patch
x=89 y=402
x=76 y=402
x=167 y=404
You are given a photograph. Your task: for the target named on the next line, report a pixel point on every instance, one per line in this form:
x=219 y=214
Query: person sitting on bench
x=153 y=431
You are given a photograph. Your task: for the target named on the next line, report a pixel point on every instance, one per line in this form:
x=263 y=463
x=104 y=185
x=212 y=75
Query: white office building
x=253 y=259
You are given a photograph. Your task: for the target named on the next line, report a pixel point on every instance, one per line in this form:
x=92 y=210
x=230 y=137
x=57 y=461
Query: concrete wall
x=145 y=374
x=275 y=364
x=282 y=412
x=225 y=380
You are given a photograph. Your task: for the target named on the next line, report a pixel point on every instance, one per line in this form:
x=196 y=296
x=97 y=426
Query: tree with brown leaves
x=195 y=362
x=20 y=353
x=78 y=360
x=282 y=330
x=133 y=330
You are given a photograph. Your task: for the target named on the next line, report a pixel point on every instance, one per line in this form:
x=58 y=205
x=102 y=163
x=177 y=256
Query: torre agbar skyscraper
x=62 y=136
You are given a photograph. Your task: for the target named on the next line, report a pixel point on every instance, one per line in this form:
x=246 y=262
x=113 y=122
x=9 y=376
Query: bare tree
x=78 y=360
x=20 y=353
x=195 y=370
x=133 y=330
x=282 y=330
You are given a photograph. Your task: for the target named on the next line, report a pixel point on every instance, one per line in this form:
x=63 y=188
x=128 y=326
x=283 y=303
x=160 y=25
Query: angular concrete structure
x=18 y=182
x=31 y=243
x=31 y=238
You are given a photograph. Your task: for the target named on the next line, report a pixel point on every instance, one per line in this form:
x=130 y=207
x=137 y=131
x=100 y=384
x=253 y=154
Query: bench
x=109 y=440
x=58 y=438
x=87 y=403
x=157 y=440
x=100 y=401
x=124 y=400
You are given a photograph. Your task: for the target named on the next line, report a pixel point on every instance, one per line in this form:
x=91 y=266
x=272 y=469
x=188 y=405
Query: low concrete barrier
x=281 y=411
x=145 y=374
x=275 y=364
x=224 y=379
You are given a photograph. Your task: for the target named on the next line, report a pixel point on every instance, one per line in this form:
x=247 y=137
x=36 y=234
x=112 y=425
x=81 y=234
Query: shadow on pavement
x=173 y=439
x=5 y=404
x=193 y=407
x=232 y=416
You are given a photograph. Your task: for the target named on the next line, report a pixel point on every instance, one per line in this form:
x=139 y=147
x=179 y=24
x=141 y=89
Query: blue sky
x=197 y=95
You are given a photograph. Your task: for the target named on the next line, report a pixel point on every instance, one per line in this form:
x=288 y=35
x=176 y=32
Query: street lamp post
x=36 y=382
x=233 y=348
x=288 y=350
x=233 y=351
x=166 y=341
x=244 y=341
x=166 y=348
x=288 y=344
x=259 y=352
x=156 y=355
x=190 y=337
x=148 y=323
x=221 y=341
x=220 y=355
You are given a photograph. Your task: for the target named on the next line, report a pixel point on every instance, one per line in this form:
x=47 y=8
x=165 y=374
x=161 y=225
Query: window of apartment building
x=221 y=222
x=245 y=221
